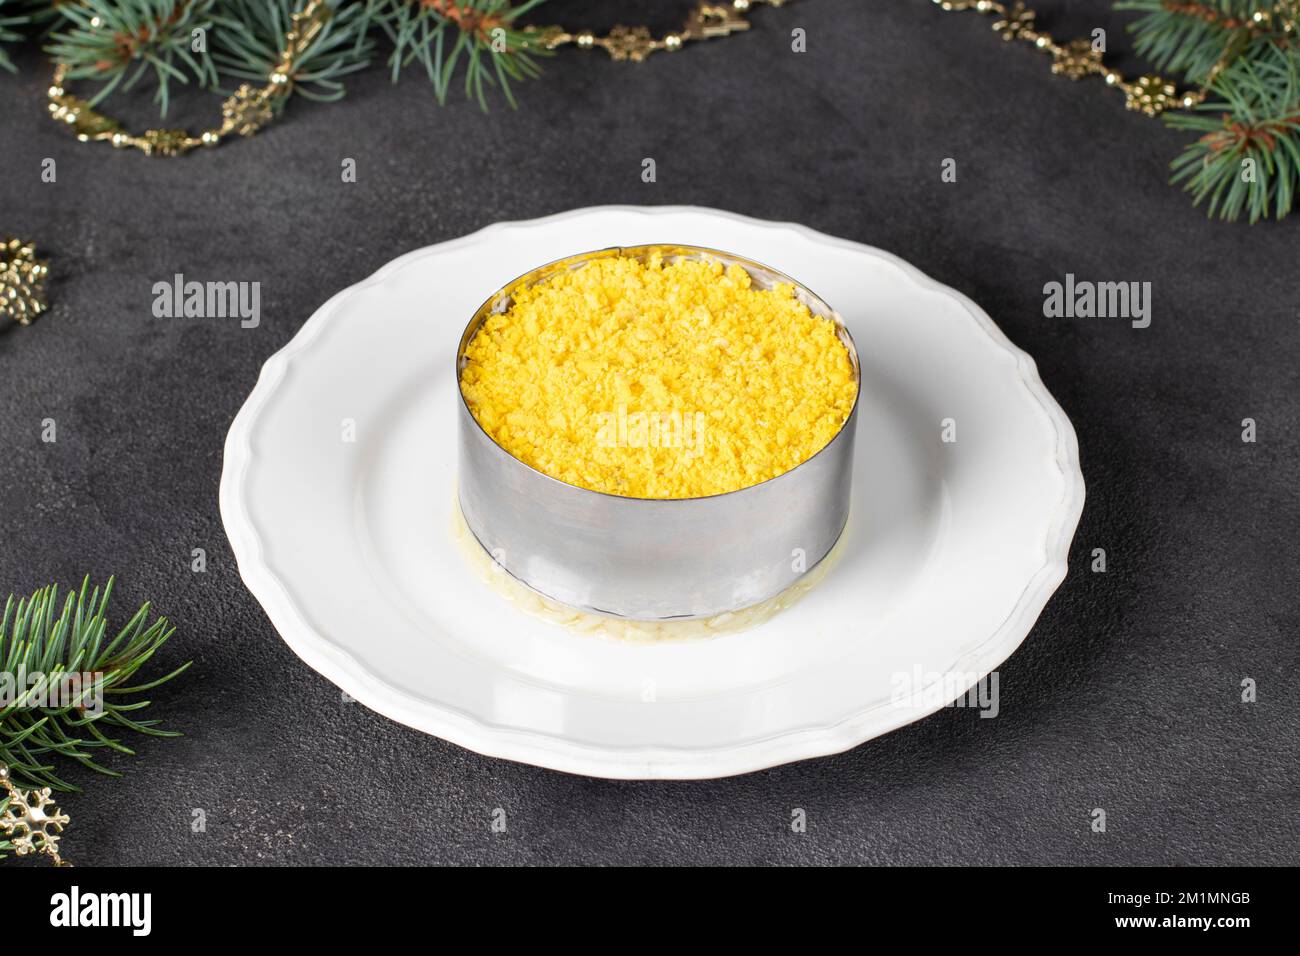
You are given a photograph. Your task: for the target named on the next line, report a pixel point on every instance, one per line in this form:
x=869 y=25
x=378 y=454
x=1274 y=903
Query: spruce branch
x=1247 y=159
x=1193 y=37
x=440 y=34
x=43 y=647
x=1245 y=55
x=118 y=43
x=477 y=42
x=251 y=41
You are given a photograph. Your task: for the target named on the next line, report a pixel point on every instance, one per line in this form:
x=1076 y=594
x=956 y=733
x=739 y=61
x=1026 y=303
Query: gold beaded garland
x=249 y=109
x=1076 y=59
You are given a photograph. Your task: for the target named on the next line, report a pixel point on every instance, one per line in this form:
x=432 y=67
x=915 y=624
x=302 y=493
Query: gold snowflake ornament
x=30 y=821
x=1076 y=59
x=1151 y=94
x=1017 y=23
x=629 y=43
x=22 y=281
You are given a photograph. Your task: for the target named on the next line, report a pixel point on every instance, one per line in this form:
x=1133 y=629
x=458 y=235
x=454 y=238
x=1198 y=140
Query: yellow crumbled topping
x=658 y=380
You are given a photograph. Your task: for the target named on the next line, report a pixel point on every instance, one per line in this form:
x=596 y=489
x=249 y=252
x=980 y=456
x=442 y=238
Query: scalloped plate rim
x=545 y=750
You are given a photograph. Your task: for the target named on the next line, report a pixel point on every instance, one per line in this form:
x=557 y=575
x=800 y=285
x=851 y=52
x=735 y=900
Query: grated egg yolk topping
x=658 y=380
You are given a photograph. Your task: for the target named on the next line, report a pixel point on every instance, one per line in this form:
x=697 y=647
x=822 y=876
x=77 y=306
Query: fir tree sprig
x=479 y=42
x=1246 y=55
x=1191 y=37
x=250 y=40
x=41 y=647
x=1247 y=159
x=437 y=34
x=118 y=43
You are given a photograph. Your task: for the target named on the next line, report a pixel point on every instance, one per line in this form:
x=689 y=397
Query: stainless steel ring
x=653 y=559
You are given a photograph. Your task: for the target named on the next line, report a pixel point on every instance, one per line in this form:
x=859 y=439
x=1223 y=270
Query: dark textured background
x=1126 y=694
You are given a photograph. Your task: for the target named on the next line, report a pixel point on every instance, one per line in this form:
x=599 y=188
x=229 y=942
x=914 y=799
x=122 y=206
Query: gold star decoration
x=22 y=281
x=1150 y=94
x=30 y=821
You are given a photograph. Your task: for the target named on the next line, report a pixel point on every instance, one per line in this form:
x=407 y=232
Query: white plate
x=953 y=548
